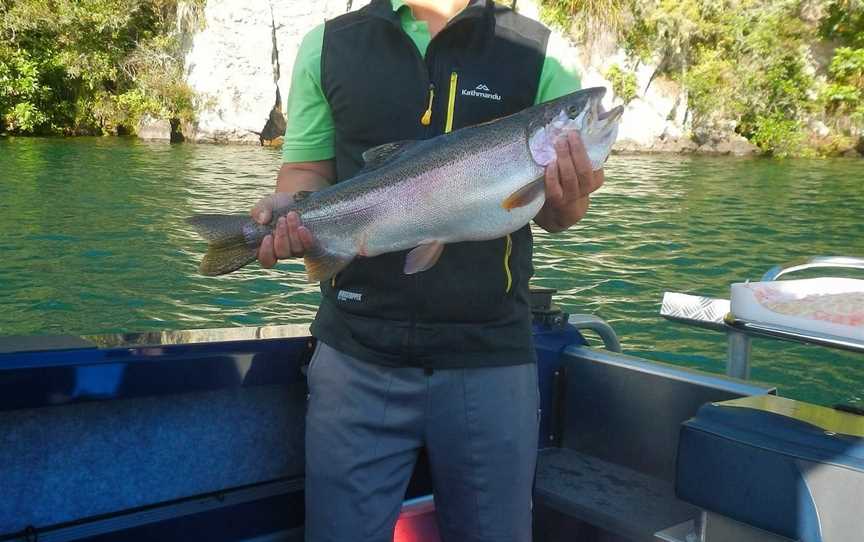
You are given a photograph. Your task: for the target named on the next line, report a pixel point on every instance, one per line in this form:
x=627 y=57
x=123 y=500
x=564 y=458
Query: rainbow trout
x=472 y=184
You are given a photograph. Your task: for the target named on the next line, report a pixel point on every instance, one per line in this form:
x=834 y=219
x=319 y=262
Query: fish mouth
x=595 y=120
x=597 y=127
x=594 y=111
x=612 y=115
x=600 y=131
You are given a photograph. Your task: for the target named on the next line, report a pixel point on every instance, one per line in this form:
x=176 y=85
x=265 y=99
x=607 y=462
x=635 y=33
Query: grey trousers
x=366 y=424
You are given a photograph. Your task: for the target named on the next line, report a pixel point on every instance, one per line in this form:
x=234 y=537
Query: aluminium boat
x=198 y=435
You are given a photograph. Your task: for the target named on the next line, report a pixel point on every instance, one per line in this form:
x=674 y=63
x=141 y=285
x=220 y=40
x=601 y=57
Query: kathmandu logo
x=345 y=295
x=482 y=91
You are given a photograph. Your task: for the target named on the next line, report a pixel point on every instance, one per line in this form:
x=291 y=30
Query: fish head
x=580 y=111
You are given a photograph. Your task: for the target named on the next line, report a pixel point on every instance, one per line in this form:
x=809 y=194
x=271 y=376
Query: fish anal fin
x=524 y=195
x=423 y=257
x=322 y=266
x=380 y=155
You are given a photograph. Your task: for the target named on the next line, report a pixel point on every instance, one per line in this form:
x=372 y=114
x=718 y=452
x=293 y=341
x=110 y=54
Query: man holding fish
x=430 y=348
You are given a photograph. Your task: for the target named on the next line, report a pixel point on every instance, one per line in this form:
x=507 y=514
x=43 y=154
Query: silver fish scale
x=448 y=192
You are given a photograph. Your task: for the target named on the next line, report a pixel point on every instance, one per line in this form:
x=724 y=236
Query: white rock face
x=657 y=113
x=230 y=63
x=154 y=129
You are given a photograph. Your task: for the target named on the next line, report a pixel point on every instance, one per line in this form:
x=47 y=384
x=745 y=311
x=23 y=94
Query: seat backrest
x=628 y=410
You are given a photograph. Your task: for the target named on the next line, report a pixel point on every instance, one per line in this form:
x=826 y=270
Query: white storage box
x=828 y=306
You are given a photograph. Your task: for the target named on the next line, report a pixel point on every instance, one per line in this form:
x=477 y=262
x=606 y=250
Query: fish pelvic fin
x=230 y=248
x=423 y=257
x=524 y=195
x=322 y=266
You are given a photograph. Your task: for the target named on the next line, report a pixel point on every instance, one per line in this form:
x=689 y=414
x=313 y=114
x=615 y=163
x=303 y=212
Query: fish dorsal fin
x=380 y=155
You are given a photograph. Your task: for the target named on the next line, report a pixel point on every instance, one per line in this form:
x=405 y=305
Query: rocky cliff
x=242 y=57
x=240 y=63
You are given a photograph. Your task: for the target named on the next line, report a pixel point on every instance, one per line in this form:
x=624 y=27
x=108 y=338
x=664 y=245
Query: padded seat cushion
x=787 y=467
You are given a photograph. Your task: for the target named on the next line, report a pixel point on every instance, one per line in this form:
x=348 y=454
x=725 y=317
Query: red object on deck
x=417 y=528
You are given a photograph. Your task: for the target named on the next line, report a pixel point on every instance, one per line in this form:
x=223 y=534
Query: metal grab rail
x=598 y=326
x=715 y=314
x=816 y=262
x=711 y=313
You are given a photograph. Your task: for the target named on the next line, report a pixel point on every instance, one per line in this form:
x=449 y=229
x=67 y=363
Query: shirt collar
x=470 y=9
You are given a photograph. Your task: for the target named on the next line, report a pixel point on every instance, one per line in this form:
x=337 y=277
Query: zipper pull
x=426 y=119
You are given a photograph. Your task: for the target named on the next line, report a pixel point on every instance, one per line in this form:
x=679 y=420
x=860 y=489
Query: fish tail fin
x=229 y=249
x=221 y=260
x=322 y=265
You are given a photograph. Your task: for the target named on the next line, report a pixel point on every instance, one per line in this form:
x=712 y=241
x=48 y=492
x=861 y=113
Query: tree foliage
x=89 y=66
x=753 y=63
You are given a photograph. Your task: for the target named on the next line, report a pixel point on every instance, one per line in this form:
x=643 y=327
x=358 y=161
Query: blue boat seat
x=787 y=467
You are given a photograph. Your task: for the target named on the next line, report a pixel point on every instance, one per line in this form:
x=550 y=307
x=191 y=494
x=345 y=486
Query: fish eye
x=572 y=111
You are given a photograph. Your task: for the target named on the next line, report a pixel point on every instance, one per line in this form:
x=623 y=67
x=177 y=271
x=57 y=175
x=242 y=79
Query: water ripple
x=94 y=240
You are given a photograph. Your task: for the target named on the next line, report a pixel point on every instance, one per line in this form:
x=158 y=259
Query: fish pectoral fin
x=423 y=257
x=524 y=195
x=322 y=265
x=380 y=155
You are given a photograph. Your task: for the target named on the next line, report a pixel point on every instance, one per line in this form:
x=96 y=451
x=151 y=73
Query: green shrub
x=587 y=18
x=624 y=83
x=778 y=136
x=844 y=95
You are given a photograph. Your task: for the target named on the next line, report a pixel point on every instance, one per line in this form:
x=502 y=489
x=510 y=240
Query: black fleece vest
x=470 y=309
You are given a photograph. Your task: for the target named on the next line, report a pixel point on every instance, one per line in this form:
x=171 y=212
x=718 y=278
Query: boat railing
x=591 y=322
x=715 y=314
x=816 y=262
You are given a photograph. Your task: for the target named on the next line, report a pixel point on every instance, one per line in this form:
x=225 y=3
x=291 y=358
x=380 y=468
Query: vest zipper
x=451 y=102
x=426 y=119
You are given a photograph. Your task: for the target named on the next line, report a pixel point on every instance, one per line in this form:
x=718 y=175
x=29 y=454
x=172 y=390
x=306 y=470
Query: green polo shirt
x=309 y=134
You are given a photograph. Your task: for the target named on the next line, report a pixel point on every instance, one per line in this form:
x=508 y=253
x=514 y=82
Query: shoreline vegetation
x=94 y=67
x=786 y=75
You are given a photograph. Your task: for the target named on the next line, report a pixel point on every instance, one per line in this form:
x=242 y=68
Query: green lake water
x=93 y=240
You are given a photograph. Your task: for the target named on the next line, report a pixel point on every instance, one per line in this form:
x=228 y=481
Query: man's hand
x=569 y=182
x=290 y=239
